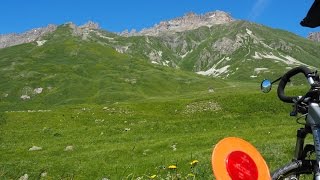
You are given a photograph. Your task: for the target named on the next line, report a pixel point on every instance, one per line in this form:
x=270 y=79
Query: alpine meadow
x=79 y=102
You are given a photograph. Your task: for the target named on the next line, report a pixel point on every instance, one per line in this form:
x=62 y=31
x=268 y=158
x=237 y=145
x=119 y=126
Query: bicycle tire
x=295 y=168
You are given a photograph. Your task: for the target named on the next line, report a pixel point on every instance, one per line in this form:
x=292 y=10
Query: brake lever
x=298 y=105
x=294 y=112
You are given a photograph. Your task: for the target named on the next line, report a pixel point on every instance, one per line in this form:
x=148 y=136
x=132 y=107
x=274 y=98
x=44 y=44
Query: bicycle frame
x=312 y=127
x=313 y=120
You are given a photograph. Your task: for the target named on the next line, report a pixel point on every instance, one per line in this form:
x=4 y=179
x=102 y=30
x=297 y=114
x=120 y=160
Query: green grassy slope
x=73 y=71
x=129 y=140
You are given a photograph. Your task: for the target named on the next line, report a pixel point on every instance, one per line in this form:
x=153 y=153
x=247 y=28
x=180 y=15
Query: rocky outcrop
x=189 y=21
x=27 y=37
x=315 y=36
x=33 y=35
x=90 y=25
x=83 y=30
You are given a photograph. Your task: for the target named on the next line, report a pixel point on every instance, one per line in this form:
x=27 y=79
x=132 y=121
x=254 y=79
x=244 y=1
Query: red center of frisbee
x=241 y=166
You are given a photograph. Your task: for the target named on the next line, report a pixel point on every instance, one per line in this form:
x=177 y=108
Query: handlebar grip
x=284 y=80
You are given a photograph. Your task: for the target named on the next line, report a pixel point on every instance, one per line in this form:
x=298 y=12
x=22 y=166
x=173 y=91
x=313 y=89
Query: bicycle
x=308 y=107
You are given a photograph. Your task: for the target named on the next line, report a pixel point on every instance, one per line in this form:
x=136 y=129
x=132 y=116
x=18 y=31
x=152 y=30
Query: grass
x=72 y=71
x=124 y=118
x=128 y=140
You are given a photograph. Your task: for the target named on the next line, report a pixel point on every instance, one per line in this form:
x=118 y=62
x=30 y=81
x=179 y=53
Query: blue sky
x=117 y=15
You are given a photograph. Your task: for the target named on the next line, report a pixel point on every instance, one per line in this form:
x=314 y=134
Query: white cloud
x=258 y=8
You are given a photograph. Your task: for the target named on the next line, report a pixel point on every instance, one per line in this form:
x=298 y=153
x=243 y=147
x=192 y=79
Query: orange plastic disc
x=236 y=159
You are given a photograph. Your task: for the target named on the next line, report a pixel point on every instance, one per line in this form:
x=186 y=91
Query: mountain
x=27 y=37
x=68 y=69
x=189 y=21
x=71 y=64
x=237 y=50
x=315 y=36
x=99 y=105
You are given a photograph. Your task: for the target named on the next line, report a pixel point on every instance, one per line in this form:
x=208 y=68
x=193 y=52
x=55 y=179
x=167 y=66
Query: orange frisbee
x=236 y=159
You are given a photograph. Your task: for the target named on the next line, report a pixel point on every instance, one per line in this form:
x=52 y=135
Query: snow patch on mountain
x=214 y=72
x=165 y=63
x=188 y=52
x=41 y=43
x=249 y=31
x=258 y=70
x=217 y=69
x=103 y=36
x=219 y=62
x=283 y=58
x=265 y=45
x=122 y=49
x=154 y=62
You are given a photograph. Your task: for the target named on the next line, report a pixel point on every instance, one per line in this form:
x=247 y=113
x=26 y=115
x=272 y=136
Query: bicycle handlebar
x=285 y=79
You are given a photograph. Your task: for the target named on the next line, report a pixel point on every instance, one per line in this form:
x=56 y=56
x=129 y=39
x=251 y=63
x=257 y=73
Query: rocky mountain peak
x=8 y=40
x=315 y=36
x=83 y=30
x=189 y=21
x=90 y=25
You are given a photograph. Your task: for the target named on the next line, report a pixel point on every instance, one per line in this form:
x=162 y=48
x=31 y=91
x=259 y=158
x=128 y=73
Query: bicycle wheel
x=293 y=170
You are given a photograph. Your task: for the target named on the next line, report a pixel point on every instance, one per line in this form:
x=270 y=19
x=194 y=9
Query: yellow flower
x=194 y=162
x=172 y=167
x=153 y=176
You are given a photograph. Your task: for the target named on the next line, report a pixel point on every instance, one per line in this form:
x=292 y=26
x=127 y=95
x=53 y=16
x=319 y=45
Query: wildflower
x=174 y=147
x=153 y=176
x=172 y=167
x=194 y=162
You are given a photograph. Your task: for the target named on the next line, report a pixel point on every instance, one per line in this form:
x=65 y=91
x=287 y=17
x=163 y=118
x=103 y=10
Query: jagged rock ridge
x=36 y=34
x=27 y=37
x=314 y=36
x=83 y=30
x=189 y=21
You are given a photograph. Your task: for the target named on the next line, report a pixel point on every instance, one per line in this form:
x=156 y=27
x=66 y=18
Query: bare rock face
x=90 y=25
x=189 y=21
x=83 y=30
x=315 y=36
x=27 y=37
x=35 y=35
